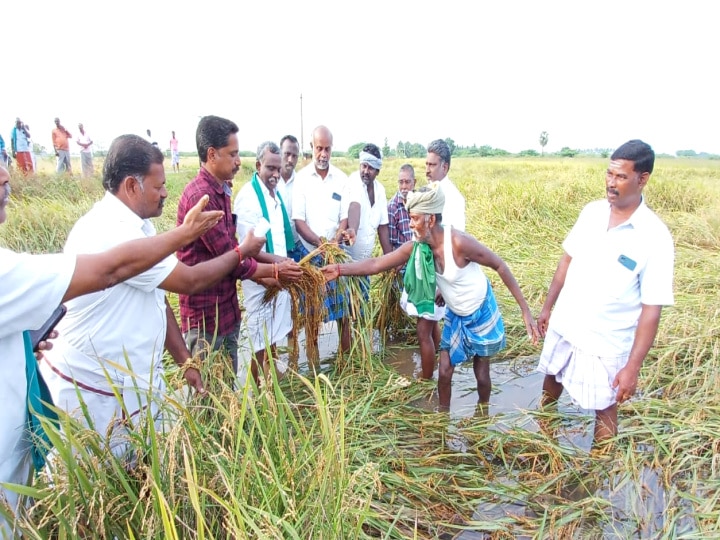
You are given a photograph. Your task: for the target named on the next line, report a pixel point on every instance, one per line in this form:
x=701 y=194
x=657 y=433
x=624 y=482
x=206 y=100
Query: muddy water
x=636 y=503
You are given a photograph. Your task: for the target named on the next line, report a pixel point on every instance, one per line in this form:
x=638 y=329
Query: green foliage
x=451 y=145
x=566 y=151
x=354 y=151
x=686 y=153
x=386 y=150
x=529 y=153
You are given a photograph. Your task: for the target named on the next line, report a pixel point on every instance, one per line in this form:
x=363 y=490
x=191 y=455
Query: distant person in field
x=290 y=152
x=453 y=260
x=260 y=199
x=61 y=143
x=33 y=286
x=603 y=306
x=212 y=318
x=128 y=326
x=175 y=153
x=320 y=208
x=398 y=219
x=86 y=156
x=31 y=145
x=20 y=147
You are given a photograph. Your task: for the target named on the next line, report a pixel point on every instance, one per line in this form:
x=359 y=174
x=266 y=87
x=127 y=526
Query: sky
x=593 y=74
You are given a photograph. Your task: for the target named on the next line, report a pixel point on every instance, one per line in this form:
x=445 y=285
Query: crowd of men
x=106 y=362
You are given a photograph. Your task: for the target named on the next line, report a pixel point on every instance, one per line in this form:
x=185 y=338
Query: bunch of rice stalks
x=390 y=318
x=307 y=294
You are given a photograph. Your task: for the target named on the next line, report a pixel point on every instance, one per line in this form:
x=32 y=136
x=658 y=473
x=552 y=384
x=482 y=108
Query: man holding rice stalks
x=260 y=200
x=607 y=293
x=321 y=206
x=452 y=260
x=34 y=285
x=108 y=358
x=211 y=318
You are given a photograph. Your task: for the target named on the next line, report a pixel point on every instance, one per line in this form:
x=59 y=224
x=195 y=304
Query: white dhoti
x=266 y=323
x=587 y=378
x=107 y=399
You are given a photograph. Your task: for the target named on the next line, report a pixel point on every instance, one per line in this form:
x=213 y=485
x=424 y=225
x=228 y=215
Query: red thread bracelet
x=240 y=255
x=338 y=269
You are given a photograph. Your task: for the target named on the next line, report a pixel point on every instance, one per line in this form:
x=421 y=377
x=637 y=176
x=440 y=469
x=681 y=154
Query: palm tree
x=543 y=142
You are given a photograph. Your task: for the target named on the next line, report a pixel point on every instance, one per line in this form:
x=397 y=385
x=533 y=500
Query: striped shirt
x=398 y=222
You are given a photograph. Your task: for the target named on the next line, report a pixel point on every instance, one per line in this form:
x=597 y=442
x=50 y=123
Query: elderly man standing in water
x=453 y=260
x=607 y=292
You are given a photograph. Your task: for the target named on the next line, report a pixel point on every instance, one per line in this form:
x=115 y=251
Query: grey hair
x=409 y=168
x=270 y=146
x=441 y=149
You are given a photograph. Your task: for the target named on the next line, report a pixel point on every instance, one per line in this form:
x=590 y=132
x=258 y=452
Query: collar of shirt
x=398 y=200
x=116 y=210
x=290 y=181
x=638 y=217
x=216 y=185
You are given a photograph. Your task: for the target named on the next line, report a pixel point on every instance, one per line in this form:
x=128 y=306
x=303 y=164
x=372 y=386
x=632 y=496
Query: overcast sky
x=593 y=74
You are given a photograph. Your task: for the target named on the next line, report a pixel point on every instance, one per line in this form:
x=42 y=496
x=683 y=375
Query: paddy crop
x=344 y=452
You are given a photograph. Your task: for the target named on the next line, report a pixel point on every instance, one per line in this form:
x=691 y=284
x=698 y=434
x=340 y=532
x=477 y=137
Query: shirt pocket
x=622 y=276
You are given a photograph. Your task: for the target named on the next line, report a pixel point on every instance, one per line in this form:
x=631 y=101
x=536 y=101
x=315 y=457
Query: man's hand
x=542 y=321
x=625 y=384
x=251 y=244
x=531 y=328
x=330 y=272
x=45 y=345
x=198 y=222
x=194 y=379
x=289 y=270
x=439 y=300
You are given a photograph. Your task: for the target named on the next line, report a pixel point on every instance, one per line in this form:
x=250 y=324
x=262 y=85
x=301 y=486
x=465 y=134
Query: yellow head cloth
x=430 y=200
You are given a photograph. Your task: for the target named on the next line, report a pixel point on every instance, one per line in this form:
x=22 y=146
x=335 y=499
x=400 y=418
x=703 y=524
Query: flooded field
x=627 y=503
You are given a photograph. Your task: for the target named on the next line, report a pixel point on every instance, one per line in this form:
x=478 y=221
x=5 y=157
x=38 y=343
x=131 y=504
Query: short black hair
x=129 y=155
x=291 y=138
x=213 y=132
x=373 y=149
x=639 y=152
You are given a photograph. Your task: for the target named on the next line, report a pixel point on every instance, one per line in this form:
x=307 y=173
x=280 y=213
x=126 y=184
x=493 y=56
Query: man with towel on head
x=452 y=260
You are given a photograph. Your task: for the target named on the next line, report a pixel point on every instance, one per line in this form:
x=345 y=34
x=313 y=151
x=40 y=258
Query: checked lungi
x=479 y=334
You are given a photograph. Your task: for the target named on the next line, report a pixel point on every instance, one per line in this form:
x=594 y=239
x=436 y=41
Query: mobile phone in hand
x=42 y=333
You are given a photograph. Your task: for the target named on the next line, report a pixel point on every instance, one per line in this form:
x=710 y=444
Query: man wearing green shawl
x=452 y=260
x=260 y=200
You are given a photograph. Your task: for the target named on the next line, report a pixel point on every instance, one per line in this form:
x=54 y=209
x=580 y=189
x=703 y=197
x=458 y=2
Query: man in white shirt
x=607 y=292
x=111 y=342
x=86 y=157
x=437 y=166
x=321 y=203
x=33 y=286
x=289 y=153
x=373 y=205
x=257 y=200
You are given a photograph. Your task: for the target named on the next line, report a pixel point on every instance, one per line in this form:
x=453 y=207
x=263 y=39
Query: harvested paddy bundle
x=308 y=294
x=390 y=318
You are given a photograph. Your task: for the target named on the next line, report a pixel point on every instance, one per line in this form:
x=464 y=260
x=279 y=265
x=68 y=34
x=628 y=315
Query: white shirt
x=128 y=319
x=371 y=217
x=611 y=274
x=322 y=204
x=286 y=192
x=454 y=210
x=273 y=319
x=463 y=289
x=32 y=287
x=84 y=138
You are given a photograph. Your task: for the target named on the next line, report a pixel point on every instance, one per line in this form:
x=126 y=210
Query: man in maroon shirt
x=213 y=316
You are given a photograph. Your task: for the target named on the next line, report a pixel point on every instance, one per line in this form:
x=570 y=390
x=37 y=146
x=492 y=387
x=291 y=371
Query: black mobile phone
x=42 y=333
